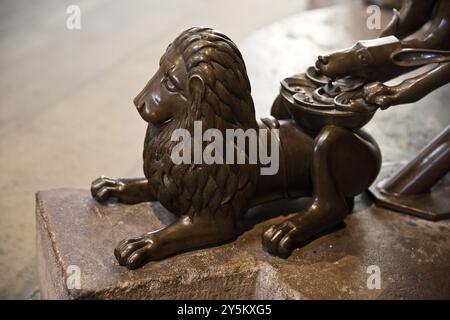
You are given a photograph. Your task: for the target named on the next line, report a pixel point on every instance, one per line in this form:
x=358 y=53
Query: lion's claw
x=103 y=188
x=279 y=239
x=132 y=253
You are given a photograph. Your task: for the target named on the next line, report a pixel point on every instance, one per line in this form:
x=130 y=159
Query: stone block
x=413 y=256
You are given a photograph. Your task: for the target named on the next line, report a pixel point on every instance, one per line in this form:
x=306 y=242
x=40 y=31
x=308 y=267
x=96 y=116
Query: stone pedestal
x=413 y=255
x=76 y=233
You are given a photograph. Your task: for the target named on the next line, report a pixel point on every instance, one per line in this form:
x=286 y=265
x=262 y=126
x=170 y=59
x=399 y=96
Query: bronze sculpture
x=317 y=117
x=423 y=32
x=397 y=57
x=410 y=189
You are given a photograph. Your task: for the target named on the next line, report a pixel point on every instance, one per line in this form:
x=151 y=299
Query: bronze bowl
x=306 y=104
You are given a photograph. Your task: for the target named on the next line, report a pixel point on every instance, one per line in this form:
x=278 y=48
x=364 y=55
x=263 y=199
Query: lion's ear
x=197 y=86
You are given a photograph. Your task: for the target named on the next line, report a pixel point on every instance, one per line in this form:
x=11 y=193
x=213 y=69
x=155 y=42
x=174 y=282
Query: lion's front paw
x=278 y=239
x=104 y=189
x=379 y=94
x=133 y=253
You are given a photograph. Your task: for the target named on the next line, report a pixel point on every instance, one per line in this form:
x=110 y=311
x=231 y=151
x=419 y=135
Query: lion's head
x=202 y=74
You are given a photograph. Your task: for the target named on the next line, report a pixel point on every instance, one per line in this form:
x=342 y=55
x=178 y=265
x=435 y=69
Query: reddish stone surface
x=413 y=256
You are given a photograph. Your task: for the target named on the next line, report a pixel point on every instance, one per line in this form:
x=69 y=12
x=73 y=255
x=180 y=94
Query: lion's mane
x=198 y=189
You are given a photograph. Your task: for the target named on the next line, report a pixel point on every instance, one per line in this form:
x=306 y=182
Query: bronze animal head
x=204 y=70
x=363 y=60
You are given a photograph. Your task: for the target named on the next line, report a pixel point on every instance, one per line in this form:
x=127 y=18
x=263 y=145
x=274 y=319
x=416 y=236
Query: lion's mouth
x=140 y=107
x=164 y=123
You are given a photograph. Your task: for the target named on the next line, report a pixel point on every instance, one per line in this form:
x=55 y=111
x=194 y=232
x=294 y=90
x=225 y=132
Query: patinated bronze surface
x=317 y=118
x=202 y=76
x=353 y=80
x=415 y=188
x=410 y=189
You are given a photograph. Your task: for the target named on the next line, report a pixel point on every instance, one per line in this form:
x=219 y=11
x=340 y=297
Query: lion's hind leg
x=344 y=165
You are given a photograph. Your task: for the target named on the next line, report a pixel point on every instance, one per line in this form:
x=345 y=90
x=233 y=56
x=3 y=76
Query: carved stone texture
x=73 y=229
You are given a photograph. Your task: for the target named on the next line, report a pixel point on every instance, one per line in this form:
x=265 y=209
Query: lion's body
x=202 y=77
x=195 y=189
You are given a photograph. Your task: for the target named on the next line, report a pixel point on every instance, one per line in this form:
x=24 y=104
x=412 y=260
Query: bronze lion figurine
x=202 y=77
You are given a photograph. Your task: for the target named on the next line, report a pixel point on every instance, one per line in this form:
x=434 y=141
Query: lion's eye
x=170 y=85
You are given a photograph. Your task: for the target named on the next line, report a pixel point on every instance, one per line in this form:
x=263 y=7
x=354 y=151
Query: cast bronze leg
x=413 y=15
x=344 y=165
x=184 y=234
x=125 y=190
x=411 y=189
x=410 y=90
x=424 y=171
